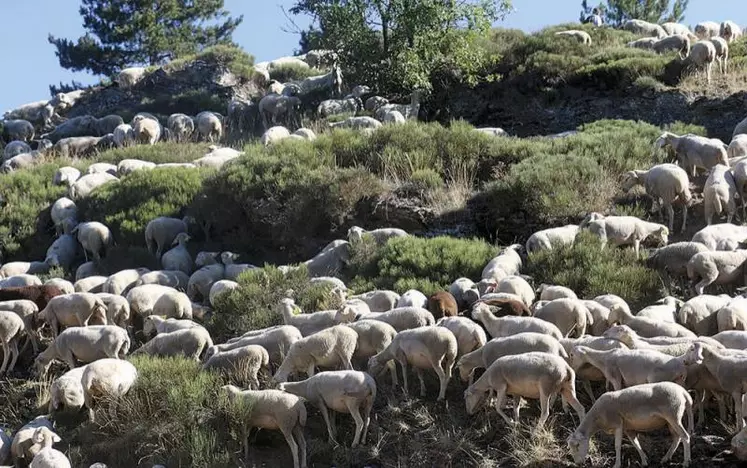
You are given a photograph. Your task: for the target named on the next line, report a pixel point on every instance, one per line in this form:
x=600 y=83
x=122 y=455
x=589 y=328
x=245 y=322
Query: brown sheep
x=508 y=307
x=40 y=295
x=442 y=304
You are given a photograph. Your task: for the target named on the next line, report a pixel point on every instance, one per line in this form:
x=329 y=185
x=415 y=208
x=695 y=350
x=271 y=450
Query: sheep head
x=629 y=180
x=345 y=314
x=696 y=354
x=621 y=333
x=578 y=445
x=473 y=399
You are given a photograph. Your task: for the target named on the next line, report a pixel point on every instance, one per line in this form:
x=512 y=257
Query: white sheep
x=173 y=304
x=191 y=343
x=707 y=29
x=392 y=116
x=518 y=286
x=347 y=391
x=274 y=134
x=83 y=187
x=644 y=28
x=128 y=77
x=499 y=327
x=379 y=300
x=737 y=149
x=720 y=193
x=549 y=292
x=181 y=127
x=11 y=269
x=95 y=238
x=28 y=311
x=143 y=298
x=155 y=324
x=694 y=151
x=19 y=281
x=529 y=375
x=203 y=279
x=408 y=111
x=12 y=327
x=245 y=361
x=209 y=125
x=665 y=183
x=730 y=31
x=219 y=288
x=218 y=158
x=674 y=29
x=553 y=237
x=327 y=348
x=107 y=379
x=349 y=104
x=74 y=310
x=702 y=55
x=15 y=148
x=86 y=270
x=365 y=123
x=717 y=267
x=66 y=176
x=233 y=270
x=276 y=340
x=581 y=36
x=128 y=166
x=330 y=261
x=699 y=313
x=66 y=391
x=678 y=43
x=122 y=281
x=672 y=260
x=412 y=298
x=117 y=309
x=636 y=409
x=124 y=135
x=307 y=324
x=50 y=458
x=171 y=278
x=380 y=236
x=722 y=53
x=32 y=438
x=732 y=316
x=179 y=258
x=90 y=284
x=568 y=314
x=146 y=130
x=64 y=285
x=732 y=339
x=722 y=237
x=277 y=410
x=646 y=327
x=599 y=315
x=507 y=263
x=664 y=310
x=470 y=336
x=465 y=292
x=84 y=344
x=627 y=230
x=102 y=167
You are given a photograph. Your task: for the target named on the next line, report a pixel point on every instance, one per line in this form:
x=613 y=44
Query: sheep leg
x=637 y=246
x=737 y=396
x=500 y=399
x=356 y=414
x=634 y=440
x=443 y=377
x=288 y=434
x=618 y=445
x=310 y=370
x=700 y=401
x=684 y=217
x=587 y=388
x=368 y=406
x=14 y=350
x=517 y=407
x=419 y=373
x=6 y=356
x=393 y=370
x=301 y=440
x=325 y=414
x=253 y=382
x=404 y=376
x=68 y=357
x=679 y=434
x=568 y=392
x=545 y=408
x=670 y=216
x=346 y=364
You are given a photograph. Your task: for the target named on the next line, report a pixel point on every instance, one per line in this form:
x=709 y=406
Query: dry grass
x=455 y=193
x=695 y=85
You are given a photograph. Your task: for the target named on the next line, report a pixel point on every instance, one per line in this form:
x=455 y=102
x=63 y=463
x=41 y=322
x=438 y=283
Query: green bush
x=127 y=206
x=590 y=271
x=160 y=153
x=293 y=72
x=235 y=59
x=253 y=305
x=426 y=264
x=26 y=229
x=172 y=416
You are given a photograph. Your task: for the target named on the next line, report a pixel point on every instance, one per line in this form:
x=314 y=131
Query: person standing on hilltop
x=595 y=18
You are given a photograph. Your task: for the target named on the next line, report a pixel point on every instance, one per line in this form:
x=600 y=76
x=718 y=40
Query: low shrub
x=293 y=72
x=159 y=153
x=591 y=271
x=234 y=58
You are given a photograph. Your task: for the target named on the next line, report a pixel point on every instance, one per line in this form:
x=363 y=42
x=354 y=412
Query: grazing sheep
x=129 y=77
x=12 y=269
x=393 y=117
x=732 y=339
x=549 y=292
x=15 y=148
x=40 y=295
x=349 y=104
x=95 y=238
x=203 y=279
x=171 y=278
x=50 y=458
x=146 y=130
x=529 y=375
x=720 y=193
x=209 y=126
x=374 y=102
x=346 y=391
x=32 y=438
x=74 y=310
x=329 y=262
x=694 y=151
x=723 y=237
x=124 y=135
x=219 y=288
x=276 y=340
x=102 y=167
x=107 y=379
x=379 y=300
x=179 y=258
x=274 y=134
x=511 y=305
x=499 y=327
x=245 y=361
x=380 y=236
x=123 y=281
x=191 y=343
x=707 y=29
x=732 y=316
x=469 y=335
x=507 y=263
x=730 y=31
x=276 y=410
x=66 y=176
x=64 y=285
x=117 y=309
x=128 y=166
x=20 y=281
x=327 y=348
x=442 y=304
x=518 y=286
x=408 y=111
x=702 y=55
x=665 y=310
x=18 y=129
x=12 y=327
x=672 y=260
x=569 y=315
x=403 y=318
x=627 y=230
x=181 y=126
x=155 y=324
x=83 y=187
x=465 y=292
x=358 y=123
x=307 y=324
x=646 y=327
x=90 y=284
x=636 y=409
x=716 y=268
x=173 y=304
x=645 y=28
x=722 y=53
x=553 y=237
x=630 y=339
x=63 y=209
x=233 y=270
x=66 y=391
x=84 y=344
x=678 y=43
x=412 y=298
x=581 y=36
x=665 y=183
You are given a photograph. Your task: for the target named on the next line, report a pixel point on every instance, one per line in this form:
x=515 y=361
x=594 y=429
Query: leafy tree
x=121 y=33
x=616 y=12
x=398 y=44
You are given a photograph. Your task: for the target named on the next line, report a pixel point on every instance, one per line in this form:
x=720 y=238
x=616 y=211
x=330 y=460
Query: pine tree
x=121 y=33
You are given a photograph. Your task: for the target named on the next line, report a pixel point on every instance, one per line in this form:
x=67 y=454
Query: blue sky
x=29 y=63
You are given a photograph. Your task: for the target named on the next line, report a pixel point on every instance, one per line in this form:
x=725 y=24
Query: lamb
x=716 y=268
x=179 y=258
x=720 y=192
x=380 y=236
x=74 y=310
x=568 y=315
x=644 y=28
x=66 y=175
x=276 y=340
x=129 y=77
x=128 y=166
x=408 y=111
x=722 y=53
x=40 y=295
x=18 y=129
x=84 y=344
x=506 y=326
x=646 y=327
x=91 y=284
x=146 y=130
x=123 y=281
x=191 y=343
x=307 y=324
x=678 y=43
x=550 y=292
x=12 y=327
x=273 y=409
x=412 y=298
x=219 y=288
x=379 y=300
x=84 y=186
x=181 y=126
x=50 y=458
x=442 y=304
x=672 y=259
x=203 y=279
x=342 y=391
x=106 y=379
x=665 y=183
x=209 y=125
x=626 y=230
x=581 y=36
x=95 y=238
x=702 y=55
x=636 y=409
x=529 y=375
x=245 y=361
x=520 y=343
x=699 y=313
x=730 y=31
x=32 y=438
x=465 y=292
x=171 y=278
x=66 y=391
x=328 y=348
x=553 y=237
x=729 y=371
x=117 y=309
